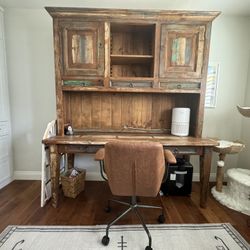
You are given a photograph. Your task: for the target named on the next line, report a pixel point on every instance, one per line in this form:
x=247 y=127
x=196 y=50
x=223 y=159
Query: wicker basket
x=72 y=186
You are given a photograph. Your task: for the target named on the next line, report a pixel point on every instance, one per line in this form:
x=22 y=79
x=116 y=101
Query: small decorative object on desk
x=68 y=130
x=73 y=182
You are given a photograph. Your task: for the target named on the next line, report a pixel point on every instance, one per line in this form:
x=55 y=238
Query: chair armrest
x=169 y=157
x=99 y=155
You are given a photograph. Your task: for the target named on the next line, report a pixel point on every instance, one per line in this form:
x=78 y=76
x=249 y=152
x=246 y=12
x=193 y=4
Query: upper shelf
x=130 y=59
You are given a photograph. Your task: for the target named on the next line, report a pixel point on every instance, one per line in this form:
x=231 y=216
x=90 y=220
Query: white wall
x=244 y=159
x=31 y=81
x=31 y=77
x=230 y=45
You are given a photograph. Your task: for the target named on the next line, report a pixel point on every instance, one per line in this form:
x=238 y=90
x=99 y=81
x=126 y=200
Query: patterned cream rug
x=167 y=236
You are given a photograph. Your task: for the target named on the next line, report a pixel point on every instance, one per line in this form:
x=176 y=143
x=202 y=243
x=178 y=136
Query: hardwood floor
x=20 y=205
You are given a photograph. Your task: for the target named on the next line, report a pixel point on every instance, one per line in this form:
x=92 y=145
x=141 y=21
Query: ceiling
x=228 y=7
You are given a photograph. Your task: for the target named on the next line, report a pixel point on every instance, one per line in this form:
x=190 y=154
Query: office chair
x=134 y=169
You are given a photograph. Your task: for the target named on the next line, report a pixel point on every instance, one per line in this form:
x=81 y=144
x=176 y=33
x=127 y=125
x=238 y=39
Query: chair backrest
x=134 y=168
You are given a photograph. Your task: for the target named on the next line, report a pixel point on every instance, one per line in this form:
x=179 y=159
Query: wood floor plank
x=20 y=205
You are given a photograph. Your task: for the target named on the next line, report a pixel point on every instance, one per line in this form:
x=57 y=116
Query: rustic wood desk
x=91 y=143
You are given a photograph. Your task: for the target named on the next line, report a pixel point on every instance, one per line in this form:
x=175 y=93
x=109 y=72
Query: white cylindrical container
x=180 y=121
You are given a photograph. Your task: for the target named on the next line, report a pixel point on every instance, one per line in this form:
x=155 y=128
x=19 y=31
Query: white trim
x=27 y=175
x=93 y=176
x=5 y=181
x=196 y=177
x=90 y=176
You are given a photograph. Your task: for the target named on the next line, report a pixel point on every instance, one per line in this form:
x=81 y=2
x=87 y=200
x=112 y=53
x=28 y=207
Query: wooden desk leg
x=71 y=160
x=54 y=173
x=205 y=167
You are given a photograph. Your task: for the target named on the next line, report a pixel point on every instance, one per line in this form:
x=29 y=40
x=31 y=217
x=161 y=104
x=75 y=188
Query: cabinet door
x=5 y=149
x=1 y=24
x=4 y=93
x=182 y=48
x=83 y=48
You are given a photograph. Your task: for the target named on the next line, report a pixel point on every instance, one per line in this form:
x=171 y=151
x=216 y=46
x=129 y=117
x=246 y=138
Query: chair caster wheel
x=107 y=209
x=105 y=240
x=148 y=248
x=161 y=218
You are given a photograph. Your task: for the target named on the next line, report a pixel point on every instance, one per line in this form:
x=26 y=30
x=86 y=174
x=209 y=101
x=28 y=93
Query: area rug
x=133 y=237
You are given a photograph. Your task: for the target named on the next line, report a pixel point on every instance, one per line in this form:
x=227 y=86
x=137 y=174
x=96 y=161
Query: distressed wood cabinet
x=182 y=51
x=119 y=74
x=82 y=48
x=125 y=70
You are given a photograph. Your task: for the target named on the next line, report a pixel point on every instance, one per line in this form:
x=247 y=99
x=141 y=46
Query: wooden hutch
x=119 y=73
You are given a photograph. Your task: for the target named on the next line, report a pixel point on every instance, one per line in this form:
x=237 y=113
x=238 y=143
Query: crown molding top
x=177 y=15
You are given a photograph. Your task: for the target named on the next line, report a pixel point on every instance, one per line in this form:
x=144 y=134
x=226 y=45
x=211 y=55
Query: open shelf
x=131 y=59
x=131 y=48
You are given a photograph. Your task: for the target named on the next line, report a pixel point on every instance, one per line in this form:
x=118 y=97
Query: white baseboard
x=90 y=176
x=36 y=175
x=93 y=176
x=196 y=177
x=5 y=181
x=27 y=175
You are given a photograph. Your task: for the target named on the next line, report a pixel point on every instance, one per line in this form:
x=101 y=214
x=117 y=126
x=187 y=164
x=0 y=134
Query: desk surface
x=72 y=144
x=102 y=139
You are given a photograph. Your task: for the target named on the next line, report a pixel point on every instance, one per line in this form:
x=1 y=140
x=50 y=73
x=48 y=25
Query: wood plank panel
x=67 y=108
x=76 y=110
x=146 y=111
x=86 y=111
x=123 y=111
x=167 y=103
x=132 y=39
x=156 y=111
x=126 y=110
x=116 y=111
x=96 y=110
x=106 y=121
x=137 y=111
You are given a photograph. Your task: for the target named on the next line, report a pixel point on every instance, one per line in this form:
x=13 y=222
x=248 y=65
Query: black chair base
x=133 y=206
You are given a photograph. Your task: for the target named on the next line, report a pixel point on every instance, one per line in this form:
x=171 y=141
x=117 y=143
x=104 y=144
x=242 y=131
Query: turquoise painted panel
x=188 y=51
x=181 y=51
x=175 y=49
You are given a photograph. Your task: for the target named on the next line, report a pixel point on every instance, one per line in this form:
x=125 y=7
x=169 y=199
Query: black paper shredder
x=179 y=179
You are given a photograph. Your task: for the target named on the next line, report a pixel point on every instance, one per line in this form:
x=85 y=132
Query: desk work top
x=102 y=139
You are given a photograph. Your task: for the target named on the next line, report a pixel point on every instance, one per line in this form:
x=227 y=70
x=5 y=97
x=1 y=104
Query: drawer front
x=181 y=85
x=125 y=84
x=4 y=128
x=83 y=83
x=78 y=148
x=185 y=150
